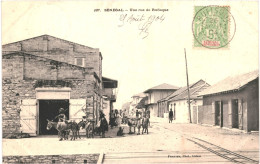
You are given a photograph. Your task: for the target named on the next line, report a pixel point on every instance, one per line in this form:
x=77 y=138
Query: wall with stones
x=13 y=91
x=57 y=49
x=22 y=74
x=33 y=67
x=77 y=158
x=12 y=67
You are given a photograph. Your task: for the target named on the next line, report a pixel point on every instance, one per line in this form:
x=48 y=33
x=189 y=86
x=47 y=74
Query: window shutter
x=230 y=113
x=28 y=116
x=240 y=113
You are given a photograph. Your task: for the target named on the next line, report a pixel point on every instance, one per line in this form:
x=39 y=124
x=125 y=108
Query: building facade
x=233 y=103
x=135 y=100
x=157 y=93
x=41 y=75
x=179 y=103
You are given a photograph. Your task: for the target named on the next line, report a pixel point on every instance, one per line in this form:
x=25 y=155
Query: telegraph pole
x=187 y=84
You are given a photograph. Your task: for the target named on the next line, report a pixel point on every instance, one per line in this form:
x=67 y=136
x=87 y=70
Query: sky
x=141 y=60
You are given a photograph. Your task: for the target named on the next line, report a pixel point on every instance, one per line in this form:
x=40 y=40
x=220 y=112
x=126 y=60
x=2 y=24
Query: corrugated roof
x=182 y=93
x=163 y=86
x=194 y=93
x=195 y=89
x=231 y=83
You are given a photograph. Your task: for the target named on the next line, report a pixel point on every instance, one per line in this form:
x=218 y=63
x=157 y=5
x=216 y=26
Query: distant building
x=126 y=107
x=157 y=93
x=233 y=103
x=135 y=100
x=178 y=102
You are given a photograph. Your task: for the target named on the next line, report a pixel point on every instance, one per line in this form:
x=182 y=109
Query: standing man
x=103 y=124
x=170 y=115
x=112 y=119
x=148 y=115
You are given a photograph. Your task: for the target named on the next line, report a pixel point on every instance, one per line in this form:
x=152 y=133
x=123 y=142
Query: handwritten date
x=143 y=22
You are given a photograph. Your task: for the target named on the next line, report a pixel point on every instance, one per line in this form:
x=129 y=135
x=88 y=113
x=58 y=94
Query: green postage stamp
x=211 y=26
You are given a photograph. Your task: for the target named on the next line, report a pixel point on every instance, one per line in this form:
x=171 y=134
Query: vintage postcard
x=130 y=81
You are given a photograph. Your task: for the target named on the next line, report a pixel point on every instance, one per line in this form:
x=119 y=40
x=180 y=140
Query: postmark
x=213 y=27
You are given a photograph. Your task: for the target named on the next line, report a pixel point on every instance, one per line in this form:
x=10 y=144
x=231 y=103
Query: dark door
x=49 y=109
x=219 y=113
x=235 y=113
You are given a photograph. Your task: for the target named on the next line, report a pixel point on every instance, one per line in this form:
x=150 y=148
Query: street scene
x=109 y=82
x=174 y=144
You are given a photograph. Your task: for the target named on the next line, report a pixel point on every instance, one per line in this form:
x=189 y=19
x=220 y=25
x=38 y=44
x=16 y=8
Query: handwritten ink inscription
x=143 y=22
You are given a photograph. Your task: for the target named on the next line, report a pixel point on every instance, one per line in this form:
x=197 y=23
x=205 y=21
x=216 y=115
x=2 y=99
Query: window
x=80 y=62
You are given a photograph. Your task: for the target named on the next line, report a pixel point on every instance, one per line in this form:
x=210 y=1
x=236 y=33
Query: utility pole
x=187 y=84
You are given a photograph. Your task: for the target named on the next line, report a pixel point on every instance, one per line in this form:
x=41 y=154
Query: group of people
x=102 y=125
x=116 y=118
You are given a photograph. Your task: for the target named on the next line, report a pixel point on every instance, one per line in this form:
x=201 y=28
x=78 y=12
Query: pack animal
x=74 y=128
x=131 y=122
x=88 y=126
x=61 y=128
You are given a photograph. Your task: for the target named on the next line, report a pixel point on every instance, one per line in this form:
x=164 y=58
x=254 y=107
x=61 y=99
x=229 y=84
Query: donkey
x=88 y=126
x=74 y=128
x=62 y=129
x=132 y=122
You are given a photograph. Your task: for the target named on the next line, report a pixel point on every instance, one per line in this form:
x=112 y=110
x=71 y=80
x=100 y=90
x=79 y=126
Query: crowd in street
x=118 y=117
x=134 y=118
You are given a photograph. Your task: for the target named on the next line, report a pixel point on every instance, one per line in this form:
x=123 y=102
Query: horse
x=88 y=126
x=145 y=123
x=62 y=129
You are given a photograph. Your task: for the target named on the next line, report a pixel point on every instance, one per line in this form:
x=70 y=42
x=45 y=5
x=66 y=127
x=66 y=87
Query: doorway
x=49 y=109
x=219 y=113
x=235 y=113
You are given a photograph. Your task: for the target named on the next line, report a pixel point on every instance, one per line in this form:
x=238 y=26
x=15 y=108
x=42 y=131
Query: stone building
x=44 y=73
x=232 y=103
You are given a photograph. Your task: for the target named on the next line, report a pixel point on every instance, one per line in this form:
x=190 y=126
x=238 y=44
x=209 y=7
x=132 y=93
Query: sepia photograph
x=130 y=81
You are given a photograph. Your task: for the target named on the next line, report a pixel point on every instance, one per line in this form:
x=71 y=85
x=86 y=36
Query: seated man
x=62 y=123
x=62 y=119
x=120 y=131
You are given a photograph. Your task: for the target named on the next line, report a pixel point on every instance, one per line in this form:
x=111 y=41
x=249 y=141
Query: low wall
x=77 y=158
